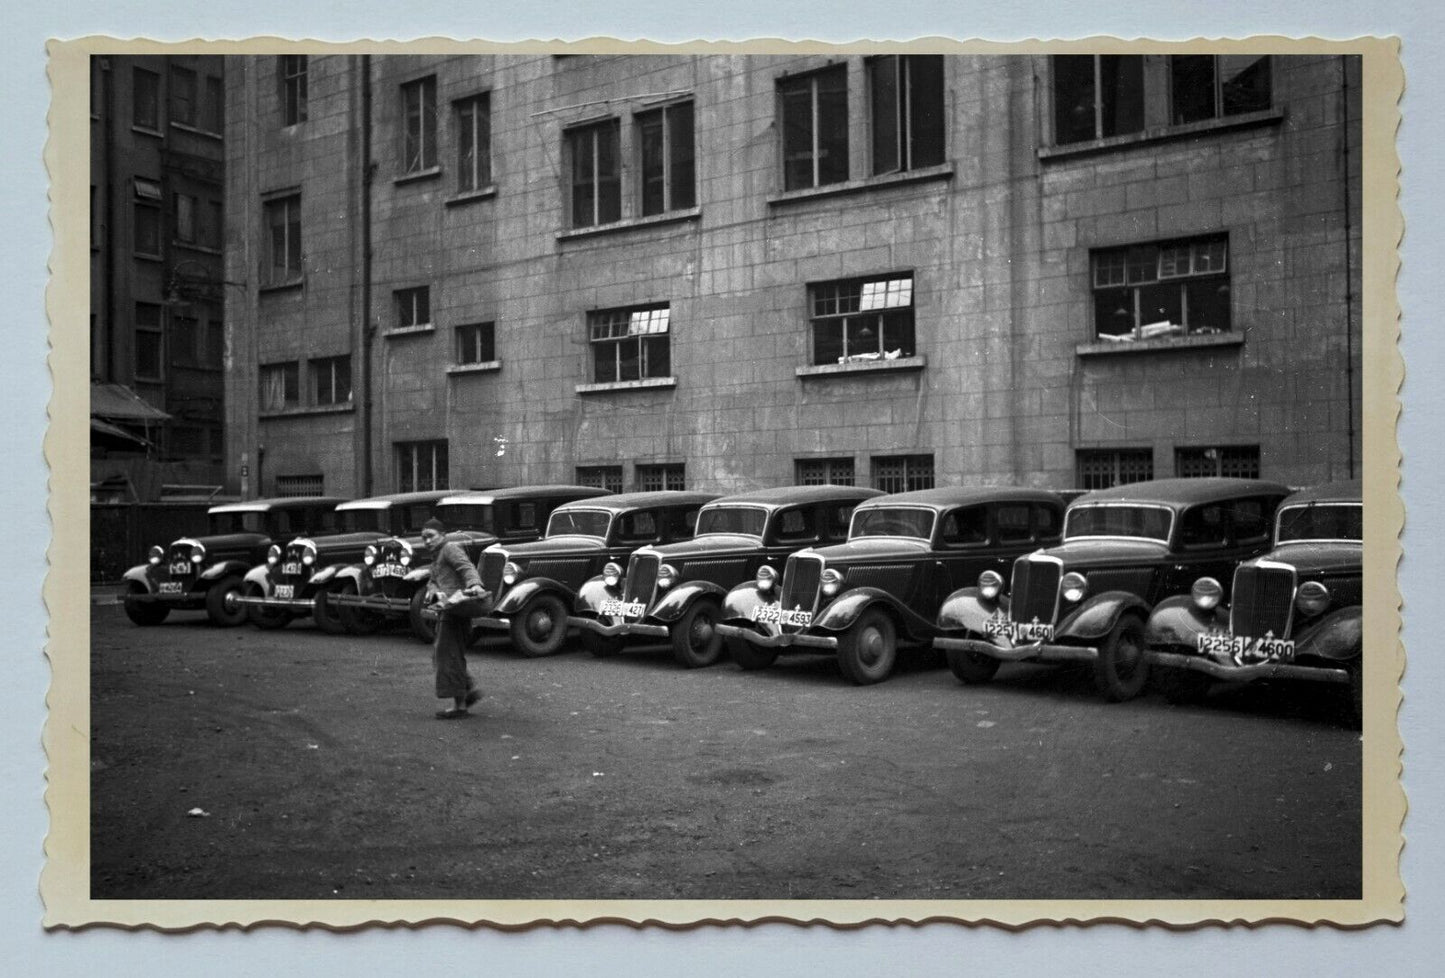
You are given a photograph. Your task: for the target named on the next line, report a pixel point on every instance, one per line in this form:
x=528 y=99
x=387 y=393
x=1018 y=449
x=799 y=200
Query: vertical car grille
x=491 y=570
x=1035 y=590
x=641 y=577
x=800 y=582
x=1263 y=599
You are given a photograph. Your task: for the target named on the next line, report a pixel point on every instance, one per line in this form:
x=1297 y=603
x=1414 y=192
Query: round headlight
x=308 y=556
x=666 y=576
x=510 y=573
x=198 y=553
x=766 y=577
x=831 y=581
x=273 y=555
x=1206 y=592
x=1074 y=586
x=611 y=574
x=1312 y=598
x=369 y=557
x=156 y=555
x=990 y=583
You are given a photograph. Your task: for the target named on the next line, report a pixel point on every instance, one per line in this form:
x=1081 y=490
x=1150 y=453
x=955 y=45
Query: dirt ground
x=321 y=772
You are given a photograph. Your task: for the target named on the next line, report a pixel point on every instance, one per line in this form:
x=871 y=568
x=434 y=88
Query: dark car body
x=391 y=580
x=905 y=553
x=296 y=579
x=534 y=584
x=1125 y=549
x=674 y=591
x=1294 y=613
x=208 y=571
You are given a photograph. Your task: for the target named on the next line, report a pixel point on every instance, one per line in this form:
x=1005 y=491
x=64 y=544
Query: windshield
x=1330 y=521
x=587 y=522
x=1146 y=522
x=466 y=517
x=252 y=522
x=732 y=519
x=890 y=522
x=359 y=520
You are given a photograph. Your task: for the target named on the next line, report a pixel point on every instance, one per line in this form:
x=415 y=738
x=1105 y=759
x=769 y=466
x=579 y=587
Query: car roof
x=395 y=499
x=795 y=495
x=1347 y=491
x=1178 y=493
x=276 y=502
x=642 y=500
x=941 y=497
x=482 y=496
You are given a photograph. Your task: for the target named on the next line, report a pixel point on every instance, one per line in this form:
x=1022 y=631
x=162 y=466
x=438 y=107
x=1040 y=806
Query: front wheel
x=423 y=623
x=145 y=613
x=972 y=668
x=695 y=640
x=749 y=656
x=326 y=614
x=357 y=621
x=1122 y=667
x=866 y=652
x=601 y=646
x=539 y=628
x=260 y=615
x=221 y=605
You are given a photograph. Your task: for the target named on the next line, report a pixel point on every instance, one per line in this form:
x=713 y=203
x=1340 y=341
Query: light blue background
x=773 y=949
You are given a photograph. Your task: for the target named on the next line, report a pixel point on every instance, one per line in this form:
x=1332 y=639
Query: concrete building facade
x=727 y=272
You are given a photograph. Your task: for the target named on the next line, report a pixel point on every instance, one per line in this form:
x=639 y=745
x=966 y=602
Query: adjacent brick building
x=728 y=272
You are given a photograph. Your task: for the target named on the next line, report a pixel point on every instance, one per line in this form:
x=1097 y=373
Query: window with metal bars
x=419 y=125
x=652 y=478
x=607 y=477
x=300 y=485
x=907 y=101
x=824 y=472
x=814 y=111
x=629 y=344
x=1102 y=468
x=902 y=473
x=864 y=319
x=1237 y=461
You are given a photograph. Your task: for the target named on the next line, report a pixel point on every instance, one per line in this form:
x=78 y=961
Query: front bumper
x=782 y=640
x=1229 y=672
x=290 y=604
x=371 y=602
x=1021 y=653
x=624 y=629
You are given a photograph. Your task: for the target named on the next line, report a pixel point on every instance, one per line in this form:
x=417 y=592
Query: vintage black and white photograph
x=795 y=478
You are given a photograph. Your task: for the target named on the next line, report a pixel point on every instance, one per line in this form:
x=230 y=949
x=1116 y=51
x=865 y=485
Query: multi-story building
x=733 y=271
x=156 y=277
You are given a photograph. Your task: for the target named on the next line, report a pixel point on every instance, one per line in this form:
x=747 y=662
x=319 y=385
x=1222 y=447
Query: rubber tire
x=527 y=627
x=221 y=613
x=1184 y=687
x=868 y=650
x=422 y=627
x=325 y=614
x=264 y=618
x=689 y=647
x=749 y=656
x=971 y=668
x=601 y=646
x=146 y=613
x=1114 y=686
x=357 y=621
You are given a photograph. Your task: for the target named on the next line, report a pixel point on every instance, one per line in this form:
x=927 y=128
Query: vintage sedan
x=1125 y=549
x=534 y=584
x=207 y=572
x=905 y=553
x=296 y=579
x=1293 y=613
x=674 y=592
x=391 y=581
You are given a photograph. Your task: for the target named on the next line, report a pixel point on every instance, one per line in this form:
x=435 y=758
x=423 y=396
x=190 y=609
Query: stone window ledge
x=416 y=176
x=632 y=224
x=197 y=131
x=651 y=383
x=471 y=196
x=1163 y=344
x=1160 y=134
x=305 y=412
x=403 y=331
x=943 y=172
x=485 y=367
x=863 y=367
x=291 y=285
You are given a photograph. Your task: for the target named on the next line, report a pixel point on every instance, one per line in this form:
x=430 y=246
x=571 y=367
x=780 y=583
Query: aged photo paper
x=66 y=881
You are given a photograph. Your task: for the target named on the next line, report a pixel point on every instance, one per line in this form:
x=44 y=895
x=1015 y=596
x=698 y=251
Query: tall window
x=476 y=343
x=331 y=381
x=474 y=142
x=1163 y=289
x=856 y=320
x=596 y=176
x=907 y=101
x=421 y=465
x=213 y=228
x=213 y=109
x=419 y=125
x=902 y=473
x=1238 y=461
x=629 y=344
x=149 y=341
x=185 y=205
x=653 y=478
x=824 y=472
x=146 y=99
x=283 y=220
x=413 y=307
x=1212 y=86
x=187 y=341
x=1102 y=468
x=607 y=477
x=668 y=171
x=815 y=128
x=1097 y=96
x=183 y=96
x=147 y=217
x=293 y=89
x=280 y=386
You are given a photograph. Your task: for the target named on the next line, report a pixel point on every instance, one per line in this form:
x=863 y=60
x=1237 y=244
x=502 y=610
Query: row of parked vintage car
x=1198 y=579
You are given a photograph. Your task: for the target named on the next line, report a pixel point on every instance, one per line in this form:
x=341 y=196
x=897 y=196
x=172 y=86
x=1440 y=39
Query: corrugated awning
x=116 y=402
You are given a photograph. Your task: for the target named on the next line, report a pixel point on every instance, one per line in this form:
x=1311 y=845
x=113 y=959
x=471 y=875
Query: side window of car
x=1251 y=521
x=1204 y=526
x=685 y=527
x=1013 y=523
x=523 y=516
x=637 y=527
x=967 y=527
x=283 y=523
x=1046 y=522
x=838 y=517
x=414 y=517
x=796 y=524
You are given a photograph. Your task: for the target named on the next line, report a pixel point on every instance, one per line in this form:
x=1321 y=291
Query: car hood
x=1317 y=558
x=227 y=541
x=340 y=542
x=565 y=544
x=712 y=545
x=1106 y=551
x=873 y=548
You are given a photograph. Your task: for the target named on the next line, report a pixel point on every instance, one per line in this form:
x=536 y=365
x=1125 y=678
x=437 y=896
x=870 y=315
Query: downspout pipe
x=1349 y=262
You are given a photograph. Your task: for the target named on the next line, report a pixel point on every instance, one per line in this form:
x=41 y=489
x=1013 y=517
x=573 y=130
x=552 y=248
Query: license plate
x=388 y=570
x=286 y=591
x=170 y=587
x=773 y=614
x=1242 y=648
x=293 y=567
x=1019 y=632
x=622 y=609
x=181 y=568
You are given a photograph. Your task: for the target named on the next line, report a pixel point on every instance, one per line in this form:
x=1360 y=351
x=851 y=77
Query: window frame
x=881 y=318
x=418 y=129
x=1218 y=87
x=607 y=477
x=289 y=372
x=145 y=101
x=661 y=476
x=677 y=193
x=186 y=223
x=288 y=207
x=815 y=126
x=152 y=328
x=802 y=477
x=337 y=372
x=184 y=96
x=1123 y=269
x=473 y=115
x=404 y=303
x=640 y=325
x=483 y=331
x=1101 y=129
x=925 y=476
x=1117 y=459
x=409 y=454
x=904 y=120
x=1230 y=461
x=591 y=134
x=292 y=73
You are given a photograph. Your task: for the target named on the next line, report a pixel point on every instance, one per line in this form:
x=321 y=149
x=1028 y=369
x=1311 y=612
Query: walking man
x=456 y=588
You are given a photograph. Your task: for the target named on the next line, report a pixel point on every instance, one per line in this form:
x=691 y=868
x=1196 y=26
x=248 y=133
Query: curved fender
x=967 y=610
x=593 y=592
x=1337 y=636
x=260 y=575
x=420 y=577
x=1179 y=621
x=677 y=600
x=743 y=599
x=140 y=574
x=325 y=574
x=352 y=574
x=523 y=591
x=847 y=608
x=1098 y=615
x=222 y=568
